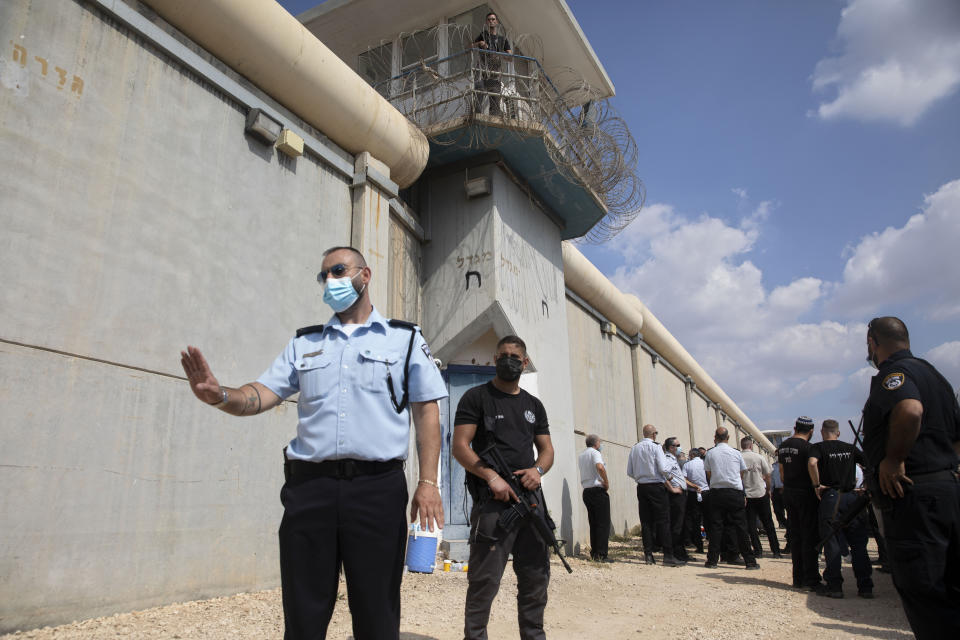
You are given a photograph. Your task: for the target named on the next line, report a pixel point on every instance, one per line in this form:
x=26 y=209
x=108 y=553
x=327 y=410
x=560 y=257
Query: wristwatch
x=539 y=469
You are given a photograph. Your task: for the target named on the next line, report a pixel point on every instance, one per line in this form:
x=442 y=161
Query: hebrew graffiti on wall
x=26 y=64
x=530 y=283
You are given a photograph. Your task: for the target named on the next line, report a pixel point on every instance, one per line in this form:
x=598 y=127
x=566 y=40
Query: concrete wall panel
x=138 y=217
x=137 y=214
x=704 y=422
x=602 y=390
x=120 y=491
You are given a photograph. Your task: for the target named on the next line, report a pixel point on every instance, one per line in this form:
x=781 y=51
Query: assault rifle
x=839 y=524
x=531 y=507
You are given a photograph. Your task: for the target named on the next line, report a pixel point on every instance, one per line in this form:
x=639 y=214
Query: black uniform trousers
x=922 y=533
x=678 y=507
x=776 y=499
x=727 y=510
x=803 y=532
x=833 y=505
x=694 y=519
x=760 y=508
x=654 y=515
x=358 y=524
x=490 y=546
x=597 y=501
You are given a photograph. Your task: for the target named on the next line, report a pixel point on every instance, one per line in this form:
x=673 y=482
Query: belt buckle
x=346 y=469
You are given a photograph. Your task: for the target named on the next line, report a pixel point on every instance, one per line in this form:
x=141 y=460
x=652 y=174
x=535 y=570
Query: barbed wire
x=587 y=140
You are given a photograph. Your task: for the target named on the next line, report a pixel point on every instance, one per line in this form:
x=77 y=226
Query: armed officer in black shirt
x=911 y=428
x=801 y=503
x=500 y=413
x=833 y=473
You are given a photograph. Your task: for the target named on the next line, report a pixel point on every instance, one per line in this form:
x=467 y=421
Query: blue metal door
x=456 y=500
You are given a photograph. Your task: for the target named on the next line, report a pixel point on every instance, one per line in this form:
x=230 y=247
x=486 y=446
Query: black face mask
x=509 y=369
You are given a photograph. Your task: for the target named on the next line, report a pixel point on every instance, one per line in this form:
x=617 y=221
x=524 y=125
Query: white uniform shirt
x=694 y=472
x=647 y=462
x=588 y=459
x=676 y=475
x=757 y=468
x=724 y=464
x=775 y=481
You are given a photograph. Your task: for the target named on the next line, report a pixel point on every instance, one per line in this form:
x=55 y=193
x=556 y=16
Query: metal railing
x=512 y=95
x=515 y=91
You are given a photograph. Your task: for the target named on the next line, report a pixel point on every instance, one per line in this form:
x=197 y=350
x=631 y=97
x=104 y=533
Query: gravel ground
x=626 y=599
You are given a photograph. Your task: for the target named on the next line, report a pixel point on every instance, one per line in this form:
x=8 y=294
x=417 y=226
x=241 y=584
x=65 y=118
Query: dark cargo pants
x=489 y=548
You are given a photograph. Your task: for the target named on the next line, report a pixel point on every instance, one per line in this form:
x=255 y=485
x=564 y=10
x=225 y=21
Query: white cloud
x=946 y=358
x=695 y=275
x=914 y=264
x=759 y=342
x=898 y=58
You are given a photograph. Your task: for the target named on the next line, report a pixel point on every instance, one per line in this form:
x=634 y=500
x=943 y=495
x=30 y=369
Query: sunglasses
x=337 y=271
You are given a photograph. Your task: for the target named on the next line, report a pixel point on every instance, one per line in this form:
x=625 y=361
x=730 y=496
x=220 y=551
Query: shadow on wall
x=566 y=518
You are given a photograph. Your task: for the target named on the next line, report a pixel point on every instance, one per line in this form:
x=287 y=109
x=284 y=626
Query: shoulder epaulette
x=317 y=328
x=403 y=323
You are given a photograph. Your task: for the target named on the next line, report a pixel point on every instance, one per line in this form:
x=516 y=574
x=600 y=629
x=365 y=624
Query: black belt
x=344 y=469
x=934 y=476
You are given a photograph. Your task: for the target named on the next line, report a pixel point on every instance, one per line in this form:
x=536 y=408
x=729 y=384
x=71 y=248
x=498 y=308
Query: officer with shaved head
x=911 y=429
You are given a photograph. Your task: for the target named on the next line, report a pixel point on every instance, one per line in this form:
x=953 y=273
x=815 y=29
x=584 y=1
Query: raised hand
x=202 y=381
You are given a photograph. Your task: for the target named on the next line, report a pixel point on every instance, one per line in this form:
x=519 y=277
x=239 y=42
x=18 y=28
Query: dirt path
x=626 y=599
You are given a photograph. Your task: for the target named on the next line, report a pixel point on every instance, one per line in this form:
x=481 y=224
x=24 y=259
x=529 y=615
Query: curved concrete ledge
x=631 y=315
x=264 y=43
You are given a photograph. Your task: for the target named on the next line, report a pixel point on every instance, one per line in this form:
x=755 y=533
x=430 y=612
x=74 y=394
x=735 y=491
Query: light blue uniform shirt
x=724 y=464
x=775 y=481
x=676 y=473
x=694 y=472
x=647 y=463
x=344 y=407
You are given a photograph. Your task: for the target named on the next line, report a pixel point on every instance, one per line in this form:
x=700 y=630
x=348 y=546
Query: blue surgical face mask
x=340 y=294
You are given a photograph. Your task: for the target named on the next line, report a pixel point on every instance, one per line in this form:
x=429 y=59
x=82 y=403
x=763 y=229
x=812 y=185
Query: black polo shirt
x=793 y=455
x=517 y=419
x=902 y=377
x=836 y=463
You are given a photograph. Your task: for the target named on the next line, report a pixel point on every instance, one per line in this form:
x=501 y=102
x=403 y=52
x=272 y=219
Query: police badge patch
x=529 y=416
x=892 y=381
x=426 y=351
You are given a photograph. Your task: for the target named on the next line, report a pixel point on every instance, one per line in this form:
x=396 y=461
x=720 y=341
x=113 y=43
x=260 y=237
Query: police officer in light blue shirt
x=724 y=467
x=360 y=378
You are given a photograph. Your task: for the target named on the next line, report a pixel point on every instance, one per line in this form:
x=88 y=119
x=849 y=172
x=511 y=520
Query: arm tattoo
x=250 y=399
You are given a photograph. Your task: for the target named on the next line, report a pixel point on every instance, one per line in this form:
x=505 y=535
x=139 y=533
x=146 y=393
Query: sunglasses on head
x=337 y=271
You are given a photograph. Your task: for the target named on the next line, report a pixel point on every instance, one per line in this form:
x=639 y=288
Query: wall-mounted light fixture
x=290 y=144
x=263 y=126
x=477 y=187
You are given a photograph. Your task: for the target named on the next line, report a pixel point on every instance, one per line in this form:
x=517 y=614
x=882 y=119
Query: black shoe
x=709 y=565
x=868 y=595
x=649 y=559
x=670 y=561
x=830 y=592
x=753 y=566
x=606 y=560
x=737 y=561
x=777 y=555
x=816 y=586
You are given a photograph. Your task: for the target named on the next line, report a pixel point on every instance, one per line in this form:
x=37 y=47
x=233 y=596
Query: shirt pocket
x=373 y=372
x=317 y=377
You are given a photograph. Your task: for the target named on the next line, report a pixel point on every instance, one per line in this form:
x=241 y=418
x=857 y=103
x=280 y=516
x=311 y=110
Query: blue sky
x=802 y=164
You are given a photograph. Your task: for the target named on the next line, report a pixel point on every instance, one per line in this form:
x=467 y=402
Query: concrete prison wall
x=139 y=218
